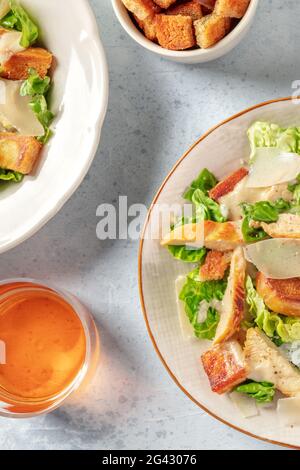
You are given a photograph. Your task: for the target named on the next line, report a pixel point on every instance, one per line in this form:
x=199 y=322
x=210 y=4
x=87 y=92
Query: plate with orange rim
x=220 y=150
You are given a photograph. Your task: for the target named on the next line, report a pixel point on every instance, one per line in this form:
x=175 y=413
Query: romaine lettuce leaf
x=193 y=293
x=206 y=208
x=279 y=328
x=187 y=254
x=24 y=23
x=205 y=181
x=265 y=134
x=8 y=175
x=262 y=392
x=36 y=87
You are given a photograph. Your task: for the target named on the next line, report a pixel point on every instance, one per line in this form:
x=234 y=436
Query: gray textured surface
x=157 y=109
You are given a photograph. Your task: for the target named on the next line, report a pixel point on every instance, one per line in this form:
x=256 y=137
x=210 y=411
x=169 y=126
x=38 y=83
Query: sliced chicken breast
x=233 y=305
x=225 y=366
x=266 y=363
x=213 y=235
x=287 y=226
x=280 y=295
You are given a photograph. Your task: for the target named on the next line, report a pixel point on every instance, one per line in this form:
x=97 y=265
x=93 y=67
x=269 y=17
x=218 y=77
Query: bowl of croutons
x=189 y=31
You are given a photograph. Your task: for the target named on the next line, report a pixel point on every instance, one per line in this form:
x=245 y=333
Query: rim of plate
x=140 y=275
x=63 y=199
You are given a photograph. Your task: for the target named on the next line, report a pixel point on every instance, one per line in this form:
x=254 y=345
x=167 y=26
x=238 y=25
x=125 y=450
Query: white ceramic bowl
x=195 y=56
x=79 y=100
x=220 y=150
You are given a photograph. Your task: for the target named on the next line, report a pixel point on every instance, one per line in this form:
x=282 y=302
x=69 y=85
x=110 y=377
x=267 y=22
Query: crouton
x=165 y=3
x=228 y=184
x=231 y=8
x=215 y=266
x=175 y=32
x=148 y=27
x=191 y=8
x=142 y=9
x=233 y=305
x=280 y=295
x=18 y=153
x=211 y=29
x=225 y=366
x=214 y=235
x=17 y=67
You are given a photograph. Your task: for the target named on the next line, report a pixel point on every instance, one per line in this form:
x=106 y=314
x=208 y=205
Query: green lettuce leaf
x=10 y=21
x=208 y=328
x=205 y=181
x=262 y=392
x=252 y=234
x=264 y=134
x=265 y=211
x=24 y=23
x=279 y=328
x=37 y=87
x=206 y=208
x=189 y=255
x=193 y=293
x=8 y=175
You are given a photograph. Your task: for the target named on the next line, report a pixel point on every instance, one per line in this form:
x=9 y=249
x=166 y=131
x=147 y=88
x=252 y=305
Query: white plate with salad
x=53 y=99
x=220 y=281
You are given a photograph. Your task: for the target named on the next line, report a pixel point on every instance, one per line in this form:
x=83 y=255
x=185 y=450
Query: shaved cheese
x=9 y=44
x=15 y=111
x=272 y=166
x=4 y=8
x=277 y=258
x=185 y=326
x=288 y=410
x=244 y=404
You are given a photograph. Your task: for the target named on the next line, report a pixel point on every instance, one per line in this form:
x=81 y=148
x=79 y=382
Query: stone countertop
x=157 y=109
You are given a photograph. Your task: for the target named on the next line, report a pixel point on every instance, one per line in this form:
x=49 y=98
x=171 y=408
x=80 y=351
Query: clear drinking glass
x=19 y=407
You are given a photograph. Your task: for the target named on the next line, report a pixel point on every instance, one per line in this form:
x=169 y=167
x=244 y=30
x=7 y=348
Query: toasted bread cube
x=18 y=153
x=17 y=67
x=225 y=366
x=215 y=266
x=175 y=32
x=148 y=27
x=165 y=3
x=228 y=184
x=191 y=8
x=231 y=8
x=211 y=29
x=142 y=9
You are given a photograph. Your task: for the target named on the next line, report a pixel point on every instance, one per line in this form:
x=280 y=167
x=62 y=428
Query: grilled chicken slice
x=233 y=305
x=228 y=184
x=225 y=366
x=214 y=235
x=265 y=363
x=18 y=153
x=280 y=295
x=215 y=266
x=287 y=226
x=18 y=65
